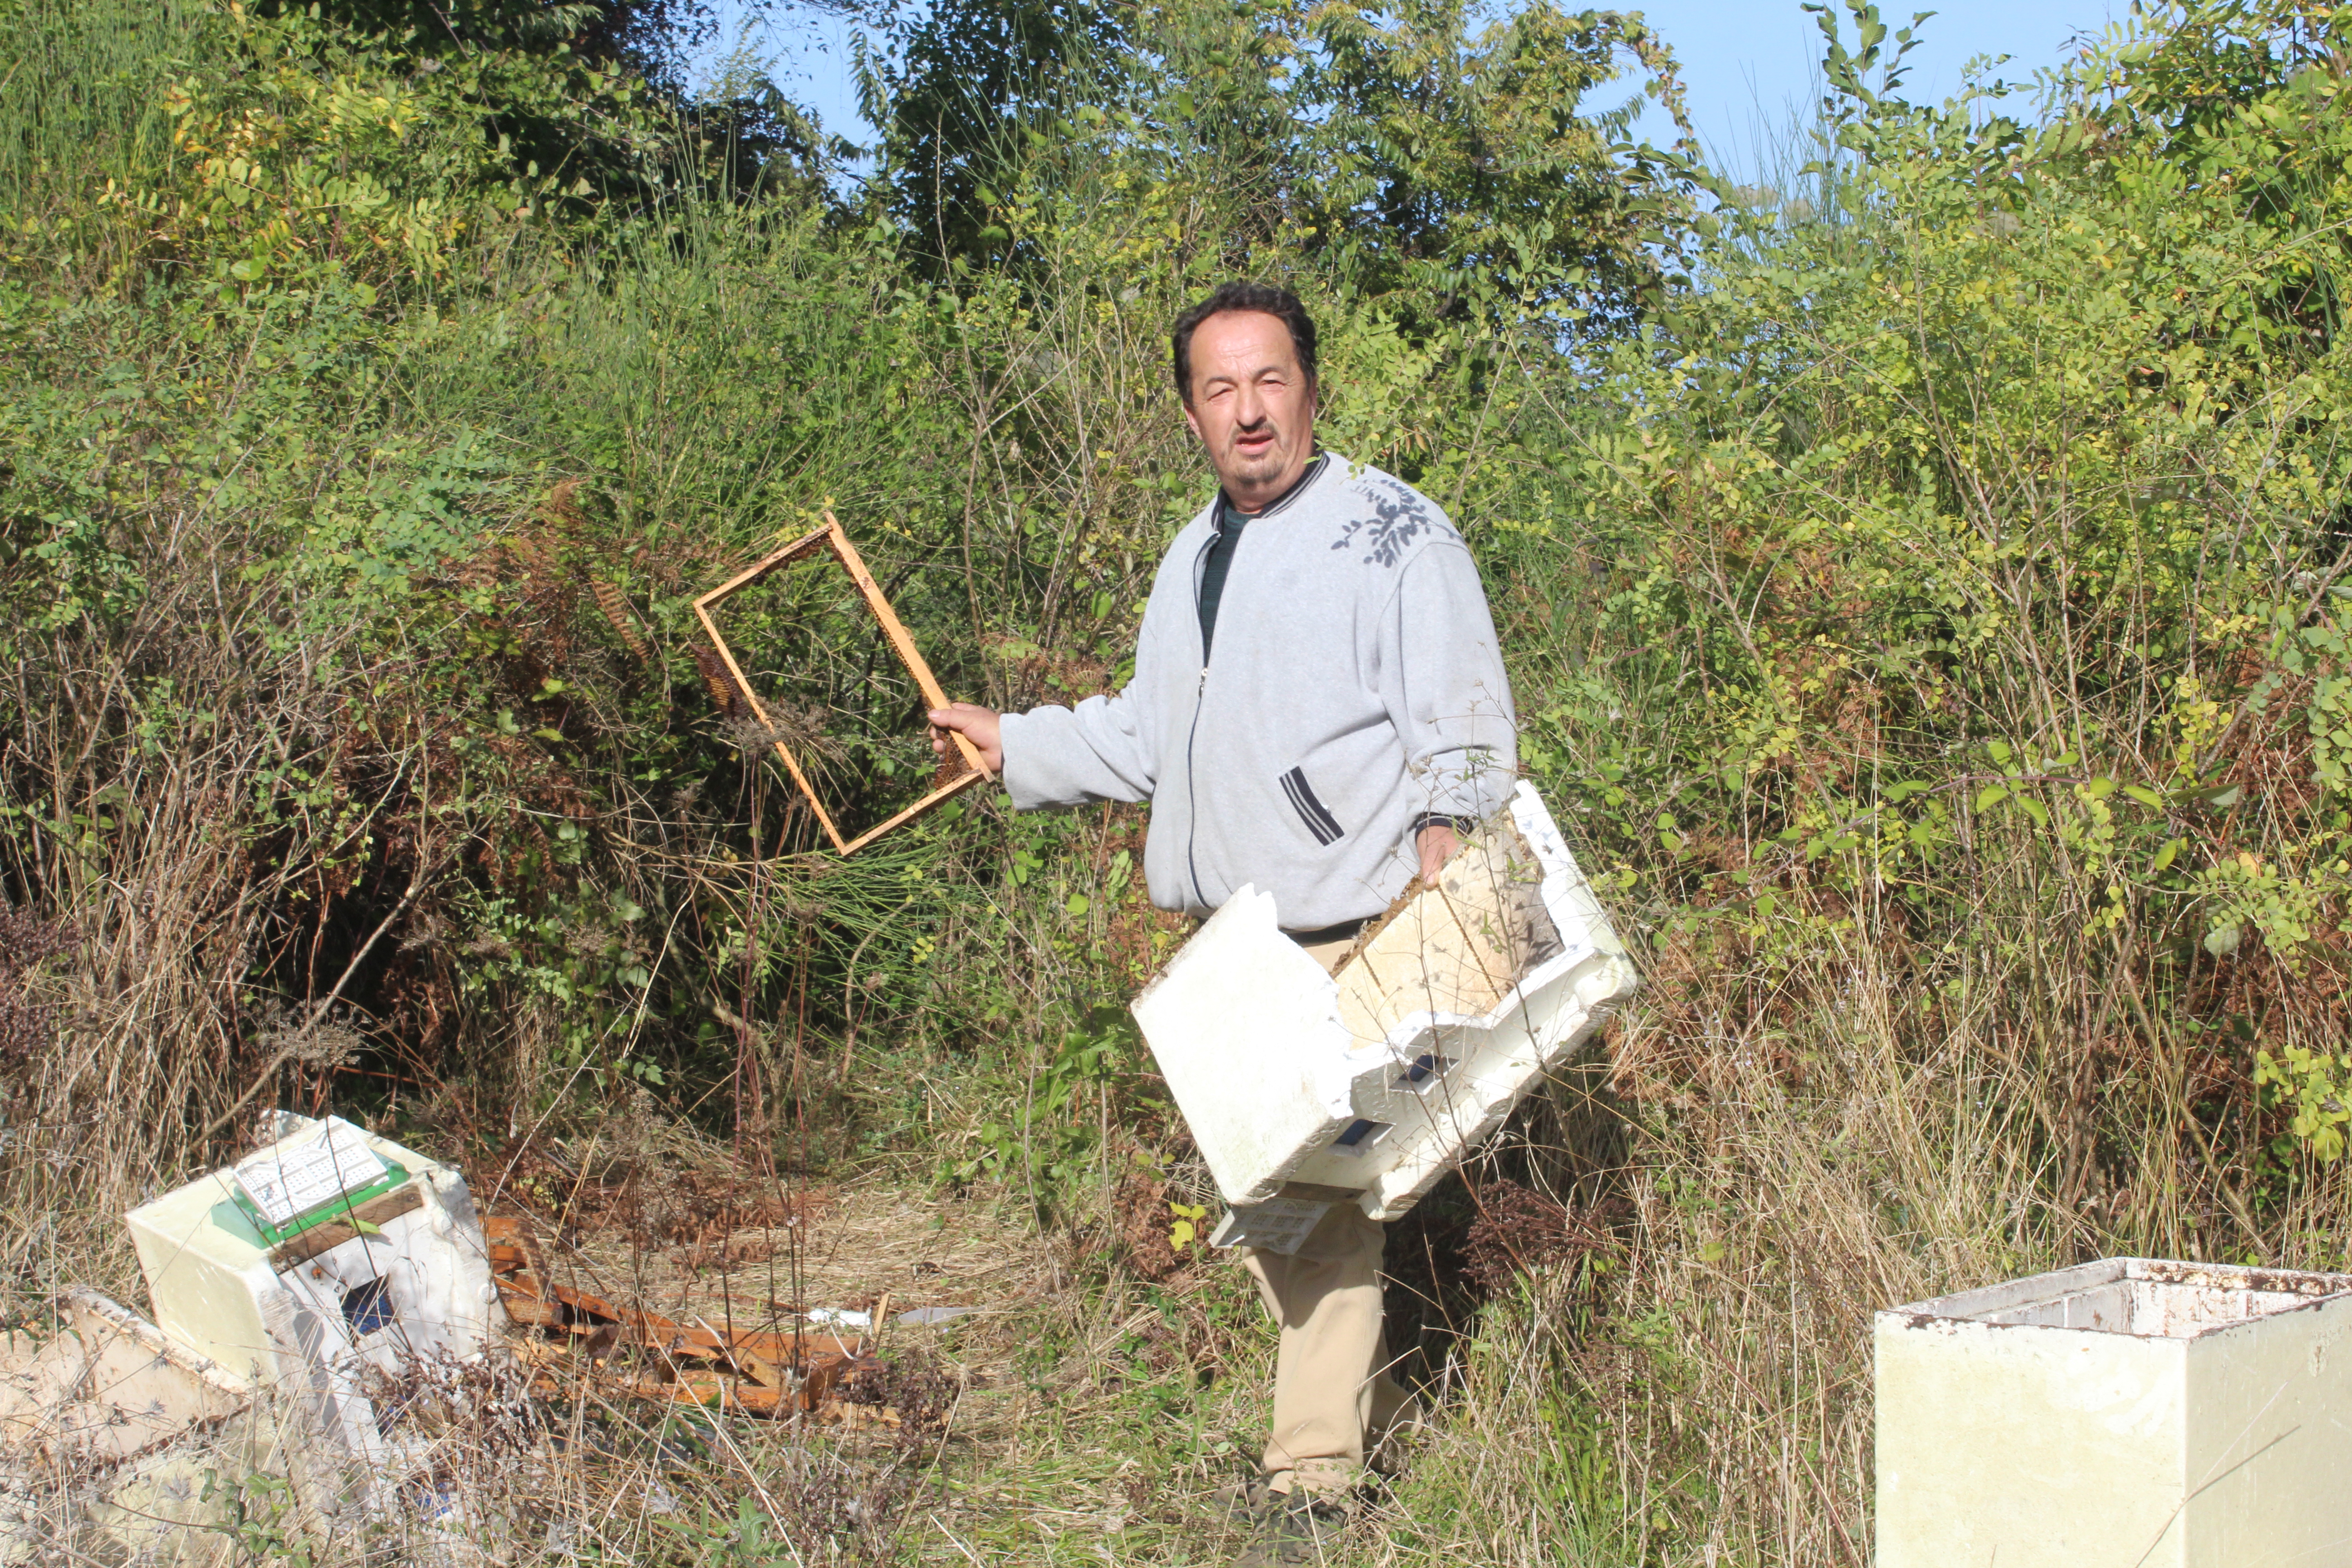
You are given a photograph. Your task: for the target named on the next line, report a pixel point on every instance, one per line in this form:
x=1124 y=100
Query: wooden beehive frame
x=831 y=538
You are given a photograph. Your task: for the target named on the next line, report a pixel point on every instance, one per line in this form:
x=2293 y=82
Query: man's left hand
x=979 y=725
x=1437 y=844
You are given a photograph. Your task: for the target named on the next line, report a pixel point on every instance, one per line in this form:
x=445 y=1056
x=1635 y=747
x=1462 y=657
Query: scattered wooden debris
x=570 y=1333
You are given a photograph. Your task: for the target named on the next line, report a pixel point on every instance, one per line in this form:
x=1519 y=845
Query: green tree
x=1467 y=164
x=959 y=91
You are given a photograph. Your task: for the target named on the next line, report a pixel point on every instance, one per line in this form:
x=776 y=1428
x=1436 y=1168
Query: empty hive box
x=1304 y=1088
x=2134 y=1413
x=328 y=1257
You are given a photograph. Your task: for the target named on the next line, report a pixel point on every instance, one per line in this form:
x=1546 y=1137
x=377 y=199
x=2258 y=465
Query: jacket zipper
x=1192 y=800
x=1199 y=563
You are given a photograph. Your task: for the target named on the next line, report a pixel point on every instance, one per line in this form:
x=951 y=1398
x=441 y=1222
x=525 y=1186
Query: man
x=1318 y=704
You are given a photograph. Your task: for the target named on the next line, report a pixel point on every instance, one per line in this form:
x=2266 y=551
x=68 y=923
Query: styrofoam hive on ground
x=1372 y=1083
x=313 y=1315
x=2128 y=1412
x=146 y=1418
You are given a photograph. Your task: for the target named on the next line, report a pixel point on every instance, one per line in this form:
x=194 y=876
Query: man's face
x=1251 y=406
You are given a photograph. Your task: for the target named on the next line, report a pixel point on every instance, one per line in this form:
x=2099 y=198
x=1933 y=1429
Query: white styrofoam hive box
x=1303 y=1089
x=2132 y=1413
x=312 y=1313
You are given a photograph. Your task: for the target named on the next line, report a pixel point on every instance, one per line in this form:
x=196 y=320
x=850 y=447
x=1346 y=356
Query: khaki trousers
x=1333 y=1398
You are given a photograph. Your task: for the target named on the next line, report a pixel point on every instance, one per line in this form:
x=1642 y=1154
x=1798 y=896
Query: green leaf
x=2143 y=795
x=2164 y=856
x=1991 y=795
x=1077 y=904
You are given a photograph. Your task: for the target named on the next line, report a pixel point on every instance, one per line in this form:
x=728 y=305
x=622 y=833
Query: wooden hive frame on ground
x=832 y=539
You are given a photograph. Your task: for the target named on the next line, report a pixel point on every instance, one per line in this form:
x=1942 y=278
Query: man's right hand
x=975 y=723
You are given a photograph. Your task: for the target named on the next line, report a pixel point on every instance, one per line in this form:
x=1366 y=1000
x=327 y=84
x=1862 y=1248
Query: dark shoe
x=1294 y=1528
x=1242 y=1503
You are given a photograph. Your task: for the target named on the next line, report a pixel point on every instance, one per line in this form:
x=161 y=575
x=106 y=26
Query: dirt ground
x=1097 y=1414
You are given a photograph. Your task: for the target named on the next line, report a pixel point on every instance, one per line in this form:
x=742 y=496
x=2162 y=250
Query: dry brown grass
x=152 y=860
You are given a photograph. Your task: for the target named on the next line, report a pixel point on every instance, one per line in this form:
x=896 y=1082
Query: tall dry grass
x=190 y=781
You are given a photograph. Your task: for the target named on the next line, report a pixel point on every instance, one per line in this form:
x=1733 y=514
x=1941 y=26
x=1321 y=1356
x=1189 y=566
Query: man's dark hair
x=1267 y=299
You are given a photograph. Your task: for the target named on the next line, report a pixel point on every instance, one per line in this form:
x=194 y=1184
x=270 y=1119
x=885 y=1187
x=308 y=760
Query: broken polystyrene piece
x=144 y=1422
x=1282 y=1222
x=933 y=1314
x=144 y=1389
x=840 y=1317
x=1379 y=1077
x=39 y=1380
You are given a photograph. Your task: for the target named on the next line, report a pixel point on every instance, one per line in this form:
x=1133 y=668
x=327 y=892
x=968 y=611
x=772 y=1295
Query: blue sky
x=1749 y=63
x=1760 y=58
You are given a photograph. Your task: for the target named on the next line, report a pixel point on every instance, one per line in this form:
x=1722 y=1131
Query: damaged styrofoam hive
x=2129 y=1411
x=330 y=1256
x=1303 y=1089
x=137 y=1420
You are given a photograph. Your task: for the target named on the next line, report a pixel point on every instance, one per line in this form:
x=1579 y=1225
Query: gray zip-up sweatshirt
x=1356 y=687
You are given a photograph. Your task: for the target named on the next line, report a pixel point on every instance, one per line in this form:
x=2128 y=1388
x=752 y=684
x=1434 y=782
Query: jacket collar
x=1299 y=487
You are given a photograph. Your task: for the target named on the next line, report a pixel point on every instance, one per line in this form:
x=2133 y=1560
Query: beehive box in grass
x=329 y=1264
x=1304 y=1088
x=2131 y=1413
